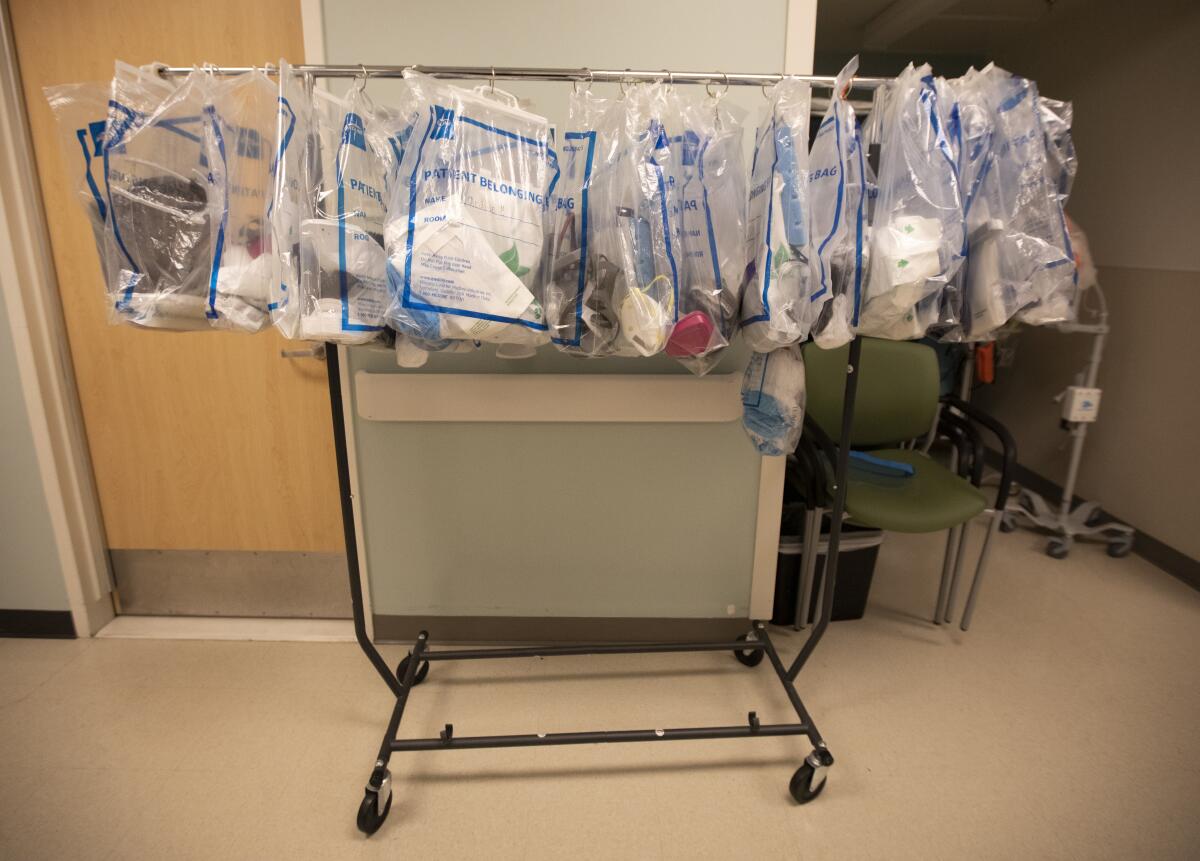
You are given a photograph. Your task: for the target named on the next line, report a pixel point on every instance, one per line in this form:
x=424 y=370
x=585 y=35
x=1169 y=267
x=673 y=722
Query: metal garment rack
x=809 y=779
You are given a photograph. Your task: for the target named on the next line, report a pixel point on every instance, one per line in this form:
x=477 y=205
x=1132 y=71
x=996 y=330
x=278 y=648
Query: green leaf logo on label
x=781 y=256
x=512 y=259
x=901 y=263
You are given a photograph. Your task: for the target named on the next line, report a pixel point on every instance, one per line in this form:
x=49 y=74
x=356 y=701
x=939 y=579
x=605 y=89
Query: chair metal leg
x=993 y=528
x=808 y=564
x=952 y=537
x=956 y=574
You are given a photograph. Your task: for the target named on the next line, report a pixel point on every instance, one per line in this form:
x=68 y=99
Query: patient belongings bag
x=240 y=127
x=288 y=203
x=773 y=399
x=780 y=276
x=161 y=203
x=579 y=291
x=1019 y=252
x=709 y=225
x=837 y=192
x=343 y=280
x=465 y=226
x=81 y=111
x=917 y=232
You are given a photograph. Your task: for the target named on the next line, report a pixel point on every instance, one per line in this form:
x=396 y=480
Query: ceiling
x=923 y=27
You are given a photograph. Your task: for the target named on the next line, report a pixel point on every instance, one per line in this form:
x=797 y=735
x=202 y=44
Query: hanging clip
x=670 y=78
x=492 y=91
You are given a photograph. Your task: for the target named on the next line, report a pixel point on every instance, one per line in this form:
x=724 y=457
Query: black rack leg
x=839 y=509
x=343 y=468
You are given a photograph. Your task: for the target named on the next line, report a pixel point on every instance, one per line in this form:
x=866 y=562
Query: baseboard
x=47 y=624
x=1179 y=565
x=530 y=629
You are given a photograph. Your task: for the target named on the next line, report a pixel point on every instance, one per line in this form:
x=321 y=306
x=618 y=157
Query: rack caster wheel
x=370 y=814
x=1121 y=547
x=751 y=658
x=422 y=671
x=1057 y=549
x=809 y=779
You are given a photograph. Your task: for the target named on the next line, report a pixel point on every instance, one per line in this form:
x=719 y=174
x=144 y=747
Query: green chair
x=897 y=404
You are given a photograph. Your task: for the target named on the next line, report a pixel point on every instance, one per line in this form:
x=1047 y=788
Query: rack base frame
x=806 y=783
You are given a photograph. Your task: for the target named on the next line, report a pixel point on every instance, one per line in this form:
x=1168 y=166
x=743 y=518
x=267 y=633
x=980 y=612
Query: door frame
x=30 y=291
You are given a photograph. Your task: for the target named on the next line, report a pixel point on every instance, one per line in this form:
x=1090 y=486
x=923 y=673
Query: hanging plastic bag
x=917 y=232
x=1019 y=253
x=81 y=111
x=629 y=225
x=240 y=125
x=288 y=203
x=837 y=183
x=779 y=276
x=160 y=199
x=343 y=281
x=710 y=199
x=1059 y=301
x=773 y=400
x=465 y=232
x=580 y=308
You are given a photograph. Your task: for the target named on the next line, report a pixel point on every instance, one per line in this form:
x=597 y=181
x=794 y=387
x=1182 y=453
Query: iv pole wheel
x=749 y=658
x=1057 y=549
x=1008 y=523
x=422 y=671
x=1121 y=547
x=369 y=816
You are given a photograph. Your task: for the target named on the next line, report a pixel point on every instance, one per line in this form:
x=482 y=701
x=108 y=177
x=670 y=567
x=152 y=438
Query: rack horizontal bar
x=524 y=73
x=601 y=737
x=589 y=649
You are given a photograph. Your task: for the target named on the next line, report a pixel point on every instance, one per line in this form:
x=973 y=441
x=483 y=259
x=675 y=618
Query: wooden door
x=200 y=441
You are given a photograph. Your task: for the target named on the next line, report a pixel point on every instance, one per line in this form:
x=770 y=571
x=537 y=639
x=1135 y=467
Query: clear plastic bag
x=773 y=400
x=837 y=187
x=241 y=119
x=465 y=230
x=1019 y=253
x=158 y=237
x=288 y=203
x=709 y=179
x=580 y=309
x=81 y=111
x=630 y=229
x=917 y=228
x=343 y=281
x=779 y=254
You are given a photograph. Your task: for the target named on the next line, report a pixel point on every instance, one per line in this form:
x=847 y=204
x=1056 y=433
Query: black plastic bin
x=856 y=566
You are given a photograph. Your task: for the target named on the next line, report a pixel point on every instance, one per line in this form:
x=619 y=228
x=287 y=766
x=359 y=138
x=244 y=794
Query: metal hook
x=625 y=84
x=708 y=86
x=670 y=78
x=766 y=95
x=575 y=83
x=493 y=89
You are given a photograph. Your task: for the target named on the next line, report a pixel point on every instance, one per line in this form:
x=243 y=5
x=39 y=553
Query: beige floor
x=1062 y=726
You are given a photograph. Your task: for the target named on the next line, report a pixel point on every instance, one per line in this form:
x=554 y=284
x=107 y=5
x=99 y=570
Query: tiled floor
x=1064 y=725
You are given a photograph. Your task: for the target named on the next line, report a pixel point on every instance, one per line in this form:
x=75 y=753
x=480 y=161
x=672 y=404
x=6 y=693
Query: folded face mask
x=773 y=400
x=774 y=305
x=465 y=241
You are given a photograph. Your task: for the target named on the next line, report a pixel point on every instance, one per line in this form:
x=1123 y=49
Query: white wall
x=30 y=570
x=1133 y=74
